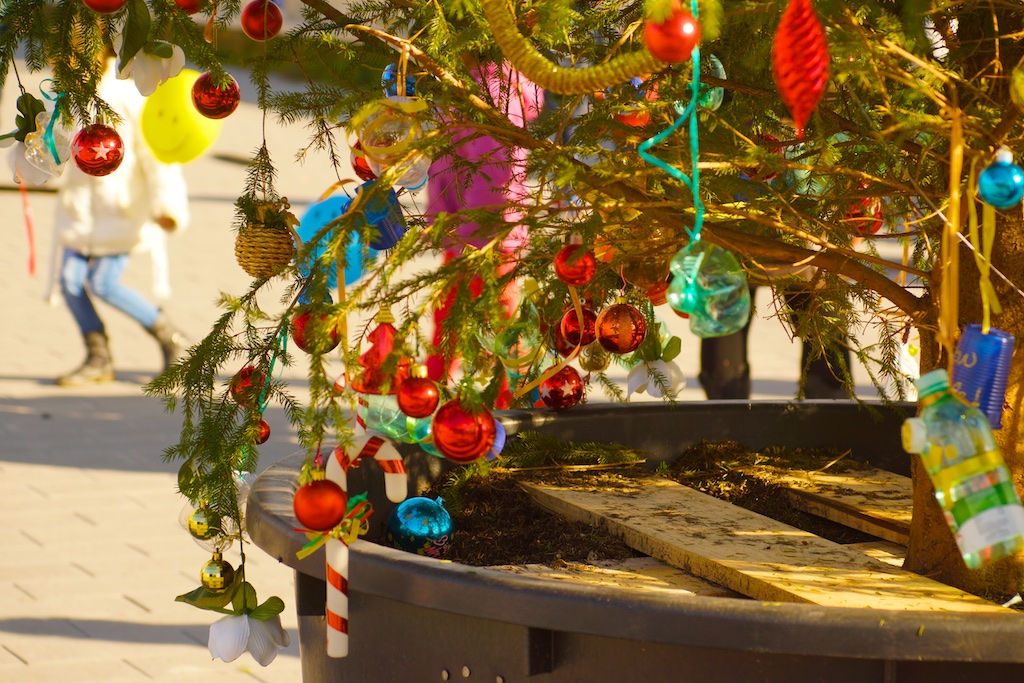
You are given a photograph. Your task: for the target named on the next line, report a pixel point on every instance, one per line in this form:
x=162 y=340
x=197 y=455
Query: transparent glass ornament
x=218 y=543
x=38 y=152
x=385 y=137
x=710 y=286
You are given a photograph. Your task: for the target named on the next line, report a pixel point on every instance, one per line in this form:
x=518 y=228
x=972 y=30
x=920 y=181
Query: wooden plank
x=883 y=551
x=634 y=574
x=749 y=553
x=873 y=501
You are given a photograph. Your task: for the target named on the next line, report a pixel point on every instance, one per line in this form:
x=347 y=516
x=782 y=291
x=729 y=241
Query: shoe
x=172 y=342
x=98 y=366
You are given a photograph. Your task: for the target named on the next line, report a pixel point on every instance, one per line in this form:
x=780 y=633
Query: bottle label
x=990 y=527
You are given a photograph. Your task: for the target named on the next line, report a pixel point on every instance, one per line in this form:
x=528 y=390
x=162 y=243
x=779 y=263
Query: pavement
x=91 y=551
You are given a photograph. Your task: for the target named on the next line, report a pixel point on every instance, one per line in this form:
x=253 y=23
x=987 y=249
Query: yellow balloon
x=171 y=126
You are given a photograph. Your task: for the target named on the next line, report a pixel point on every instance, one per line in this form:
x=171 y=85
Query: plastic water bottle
x=710 y=286
x=972 y=483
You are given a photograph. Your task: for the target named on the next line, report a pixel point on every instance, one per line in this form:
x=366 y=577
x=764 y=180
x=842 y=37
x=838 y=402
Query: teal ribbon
x=687 y=114
x=48 y=134
x=282 y=346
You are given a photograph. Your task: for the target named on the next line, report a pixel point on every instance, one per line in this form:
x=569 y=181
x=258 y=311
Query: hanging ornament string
x=982 y=243
x=688 y=114
x=949 y=261
x=282 y=346
x=48 y=139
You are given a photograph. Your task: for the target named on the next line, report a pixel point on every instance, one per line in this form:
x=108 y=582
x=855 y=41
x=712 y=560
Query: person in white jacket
x=100 y=220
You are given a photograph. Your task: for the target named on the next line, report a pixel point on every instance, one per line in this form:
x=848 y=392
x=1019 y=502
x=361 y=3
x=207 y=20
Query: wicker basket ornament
x=266 y=246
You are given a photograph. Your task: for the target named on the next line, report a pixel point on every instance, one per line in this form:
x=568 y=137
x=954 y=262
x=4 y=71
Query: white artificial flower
x=642 y=378
x=233 y=635
x=148 y=70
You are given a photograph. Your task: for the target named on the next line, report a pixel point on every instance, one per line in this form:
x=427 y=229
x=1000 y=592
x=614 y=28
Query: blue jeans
x=101 y=275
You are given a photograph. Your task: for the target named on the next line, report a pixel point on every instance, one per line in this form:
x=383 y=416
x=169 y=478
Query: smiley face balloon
x=171 y=126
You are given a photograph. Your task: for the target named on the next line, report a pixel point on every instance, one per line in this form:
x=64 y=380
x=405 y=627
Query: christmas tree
x=584 y=158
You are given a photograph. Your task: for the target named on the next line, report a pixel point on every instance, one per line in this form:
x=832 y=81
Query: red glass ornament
x=562 y=390
x=261 y=20
x=418 y=396
x=865 y=215
x=673 y=40
x=463 y=434
x=247 y=385
x=104 y=6
x=310 y=337
x=213 y=102
x=98 y=150
x=264 y=432
x=190 y=6
x=800 y=61
x=621 y=328
x=575 y=269
x=360 y=165
x=658 y=294
x=320 y=505
x=573 y=332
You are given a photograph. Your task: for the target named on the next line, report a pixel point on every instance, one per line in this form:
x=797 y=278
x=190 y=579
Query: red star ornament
x=800 y=61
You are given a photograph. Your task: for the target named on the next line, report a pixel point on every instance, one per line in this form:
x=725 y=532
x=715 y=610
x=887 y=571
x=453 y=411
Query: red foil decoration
x=800 y=61
x=98 y=150
x=213 y=102
x=562 y=390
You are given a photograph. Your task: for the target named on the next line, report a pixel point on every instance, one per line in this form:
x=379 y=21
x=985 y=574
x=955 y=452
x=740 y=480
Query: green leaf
x=204 y=599
x=29 y=106
x=650 y=348
x=136 y=31
x=159 y=48
x=272 y=607
x=245 y=600
x=672 y=348
x=186 y=476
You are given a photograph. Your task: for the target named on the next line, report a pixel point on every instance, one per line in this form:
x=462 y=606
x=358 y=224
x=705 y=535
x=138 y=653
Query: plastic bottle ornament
x=214 y=102
x=321 y=504
x=387 y=129
x=594 y=358
x=383 y=212
x=173 y=129
x=800 y=61
x=420 y=525
x=203 y=524
x=105 y=6
x=710 y=287
x=621 y=328
x=97 y=150
x=360 y=165
x=217 y=575
x=247 y=385
x=1001 y=183
x=380 y=413
x=309 y=331
x=39 y=151
x=673 y=39
x=418 y=395
x=264 y=432
x=562 y=390
x=463 y=434
x=575 y=265
x=261 y=20
x=423 y=434
x=981 y=366
x=574 y=333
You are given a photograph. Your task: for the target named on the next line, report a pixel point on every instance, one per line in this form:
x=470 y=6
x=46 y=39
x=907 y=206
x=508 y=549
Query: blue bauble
x=1001 y=184
x=499 y=440
x=318 y=215
x=420 y=525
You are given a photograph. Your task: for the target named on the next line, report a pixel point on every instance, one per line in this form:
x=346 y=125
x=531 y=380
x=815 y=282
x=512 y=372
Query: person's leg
x=98 y=365
x=724 y=370
x=105 y=282
x=825 y=366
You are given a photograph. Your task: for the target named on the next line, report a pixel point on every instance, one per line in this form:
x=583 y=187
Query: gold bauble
x=203 y=524
x=217 y=574
x=593 y=358
x=646 y=272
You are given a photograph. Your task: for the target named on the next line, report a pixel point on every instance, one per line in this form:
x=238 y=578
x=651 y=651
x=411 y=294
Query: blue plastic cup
x=384 y=213
x=980 y=368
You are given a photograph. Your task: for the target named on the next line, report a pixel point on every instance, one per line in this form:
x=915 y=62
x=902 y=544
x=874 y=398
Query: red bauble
x=562 y=390
x=621 y=328
x=98 y=150
x=634 y=116
x=360 y=165
x=104 y=6
x=865 y=215
x=247 y=385
x=559 y=343
x=574 y=333
x=800 y=61
x=320 y=505
x=213 y=102
x=264 y=432
x=418 y=397
x=673 y=40
x=658 y=294
x=310 y=337
x=575 y=269
x=261 y=20
x=190 y=6
x=463 y=434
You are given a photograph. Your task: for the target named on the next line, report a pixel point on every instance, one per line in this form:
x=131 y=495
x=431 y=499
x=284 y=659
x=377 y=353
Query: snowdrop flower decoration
x=149 y=62
x=233 y=635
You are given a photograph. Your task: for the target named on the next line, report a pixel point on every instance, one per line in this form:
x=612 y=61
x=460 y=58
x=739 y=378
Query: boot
x=172 y=341
x=98 y=365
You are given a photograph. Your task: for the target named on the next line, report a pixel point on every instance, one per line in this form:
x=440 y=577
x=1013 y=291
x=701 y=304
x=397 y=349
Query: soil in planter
x=497 y=523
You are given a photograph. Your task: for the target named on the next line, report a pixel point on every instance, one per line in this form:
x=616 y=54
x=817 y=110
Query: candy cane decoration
x=387 y=456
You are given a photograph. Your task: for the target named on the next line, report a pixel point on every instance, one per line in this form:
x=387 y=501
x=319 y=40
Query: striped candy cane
x=395 y=483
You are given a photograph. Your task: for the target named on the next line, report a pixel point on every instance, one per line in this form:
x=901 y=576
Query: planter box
x=418 y=619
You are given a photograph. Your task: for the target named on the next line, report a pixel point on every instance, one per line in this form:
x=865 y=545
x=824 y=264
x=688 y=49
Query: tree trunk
x=931 y=550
